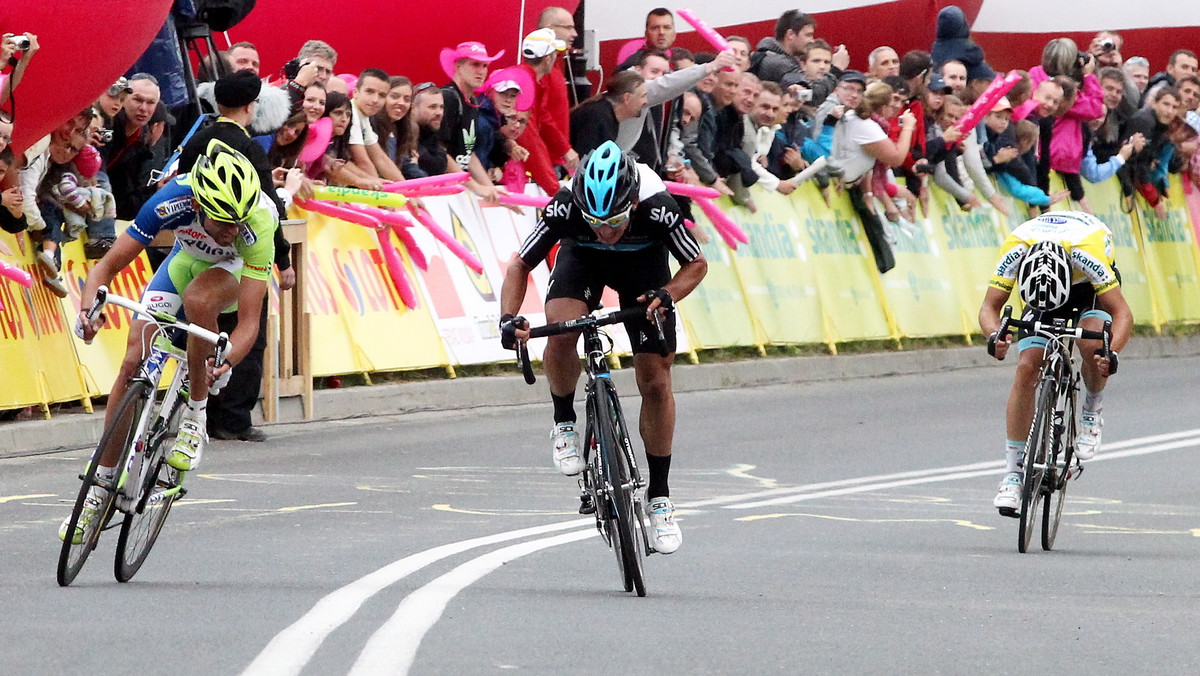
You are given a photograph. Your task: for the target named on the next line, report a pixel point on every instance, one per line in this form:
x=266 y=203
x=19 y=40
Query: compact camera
x=21 y=42
x=804 y=95
x=106 y=135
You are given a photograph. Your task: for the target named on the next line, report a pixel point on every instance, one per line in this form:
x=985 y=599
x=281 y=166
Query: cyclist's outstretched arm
x=688 y=277
x=122 y=253
x=1113 y=302
x=516 y=281
x=989 y=318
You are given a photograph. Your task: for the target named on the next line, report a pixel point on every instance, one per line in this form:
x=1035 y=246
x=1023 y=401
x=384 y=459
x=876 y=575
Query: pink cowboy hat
x=465 y=50
x=504 y=78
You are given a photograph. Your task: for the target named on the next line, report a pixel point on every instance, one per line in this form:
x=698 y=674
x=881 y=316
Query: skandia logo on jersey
x=664 y=215
x=173 y=207
x=1053 y=220
x=558 y=209
x=1090 y=263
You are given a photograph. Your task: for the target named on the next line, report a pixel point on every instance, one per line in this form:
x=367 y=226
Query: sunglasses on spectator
x=422 y=87
x=612 y=221
x=568 y=26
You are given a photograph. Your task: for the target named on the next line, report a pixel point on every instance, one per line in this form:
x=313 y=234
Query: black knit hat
x=237 y=89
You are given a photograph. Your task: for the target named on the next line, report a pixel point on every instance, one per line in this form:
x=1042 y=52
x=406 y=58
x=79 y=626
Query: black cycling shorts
x=582 y=273
x=1081 y=300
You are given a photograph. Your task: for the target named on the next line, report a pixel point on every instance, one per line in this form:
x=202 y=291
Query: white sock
x=1014 y=455
x=1093 y=401
x=196 y=410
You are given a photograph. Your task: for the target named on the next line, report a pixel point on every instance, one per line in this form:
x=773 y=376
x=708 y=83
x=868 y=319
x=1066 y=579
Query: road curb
x=68 y=431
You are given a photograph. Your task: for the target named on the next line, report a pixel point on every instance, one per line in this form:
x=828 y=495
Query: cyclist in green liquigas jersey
x=224 y=232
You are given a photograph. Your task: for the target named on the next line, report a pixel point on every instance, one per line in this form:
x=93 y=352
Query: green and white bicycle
x=142 y=429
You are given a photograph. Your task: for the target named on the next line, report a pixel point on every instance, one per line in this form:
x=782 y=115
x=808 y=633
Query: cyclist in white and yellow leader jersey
x=1062 y=264
x=224 y=246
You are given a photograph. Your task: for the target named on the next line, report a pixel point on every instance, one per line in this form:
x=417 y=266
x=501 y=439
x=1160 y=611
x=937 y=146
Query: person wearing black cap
x=236 y=94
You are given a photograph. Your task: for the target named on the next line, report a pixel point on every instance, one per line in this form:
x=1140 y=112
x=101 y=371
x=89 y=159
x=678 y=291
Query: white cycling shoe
x=567 y=457
x=1008 y=497
x=88 y=519
x=1088 y=440
x=189 y=444
x=665 y=535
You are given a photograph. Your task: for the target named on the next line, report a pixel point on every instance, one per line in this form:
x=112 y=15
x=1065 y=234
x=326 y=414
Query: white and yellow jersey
x=1087 y=239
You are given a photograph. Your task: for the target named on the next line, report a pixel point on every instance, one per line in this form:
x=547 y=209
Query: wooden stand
x=287 y=363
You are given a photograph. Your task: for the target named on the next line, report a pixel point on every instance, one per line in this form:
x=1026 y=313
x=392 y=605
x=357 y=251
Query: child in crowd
x=945 y=151
x=335 y=166
x=1009 y=150
x=397 y=129
x=12 y=202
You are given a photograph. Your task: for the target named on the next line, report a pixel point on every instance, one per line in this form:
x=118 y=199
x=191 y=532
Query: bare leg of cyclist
x=204 y=298
x=138 y=346
x=657 y=427
x=1020 y=400
x=1090 y=423
x=561 y=362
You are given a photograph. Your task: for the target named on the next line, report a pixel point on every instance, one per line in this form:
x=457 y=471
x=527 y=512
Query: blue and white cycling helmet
x=1044 y=276
x=606 y=185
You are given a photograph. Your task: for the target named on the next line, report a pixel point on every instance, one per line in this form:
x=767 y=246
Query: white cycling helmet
x=1044 y=276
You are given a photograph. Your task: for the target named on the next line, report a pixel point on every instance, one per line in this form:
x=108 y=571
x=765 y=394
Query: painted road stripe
x=393 y=647
x=291 y=649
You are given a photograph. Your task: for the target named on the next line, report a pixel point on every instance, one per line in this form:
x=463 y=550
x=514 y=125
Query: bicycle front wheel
x=119 y=433
x=613 y=445
x=1060 y=471
x=160 y=488
x=1035 y=461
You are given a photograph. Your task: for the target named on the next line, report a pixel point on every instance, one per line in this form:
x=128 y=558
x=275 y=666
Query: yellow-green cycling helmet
x=225 y=183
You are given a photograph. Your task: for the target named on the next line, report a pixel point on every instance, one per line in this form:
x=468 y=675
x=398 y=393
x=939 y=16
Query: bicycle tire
x=1035 y=454
x=1064 y=446
x=613 y=442
x=156 y=495
x=72 y=556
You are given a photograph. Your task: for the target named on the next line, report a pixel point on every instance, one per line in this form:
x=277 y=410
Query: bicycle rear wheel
x=1035 y=461
x=160 y=488
x=119 y=433
x=613 y=441
x=1064 y=445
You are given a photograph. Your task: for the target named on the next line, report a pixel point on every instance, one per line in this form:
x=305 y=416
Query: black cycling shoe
x=586 y=505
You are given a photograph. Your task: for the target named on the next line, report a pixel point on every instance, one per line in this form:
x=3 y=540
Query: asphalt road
x=838 y=527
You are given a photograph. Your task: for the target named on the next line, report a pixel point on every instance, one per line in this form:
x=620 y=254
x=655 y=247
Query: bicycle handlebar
x=1049 y=330
x=165 y=319
x=581 y=324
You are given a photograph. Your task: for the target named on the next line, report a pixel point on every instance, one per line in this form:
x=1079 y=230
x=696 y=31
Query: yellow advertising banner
x=837 y=251
x=780 y=286
x=716 y=313
x=1107 y=204
x=918 y=291
x=1169 y=250
x=38 y=362
x=359 y=322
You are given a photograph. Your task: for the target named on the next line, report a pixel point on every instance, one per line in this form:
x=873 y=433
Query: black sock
x=564 y=407
x=659 y=467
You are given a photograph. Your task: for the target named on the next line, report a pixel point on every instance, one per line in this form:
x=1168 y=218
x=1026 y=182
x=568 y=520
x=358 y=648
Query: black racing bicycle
x=1050 y=461
x=611 y=483
x=142 y=428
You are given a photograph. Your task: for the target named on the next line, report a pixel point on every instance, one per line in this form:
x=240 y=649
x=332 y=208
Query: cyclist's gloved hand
x=998 y=348
x=662 y=296
x=1112 y=360
x=508 y=330
x=220 y=375
x=87 y=330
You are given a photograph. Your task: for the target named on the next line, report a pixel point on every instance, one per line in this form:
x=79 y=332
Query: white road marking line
x=293 y=647
x=27 y=497
x=393 y=647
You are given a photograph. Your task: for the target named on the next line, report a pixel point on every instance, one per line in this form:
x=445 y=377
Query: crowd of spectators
x=776 y=112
